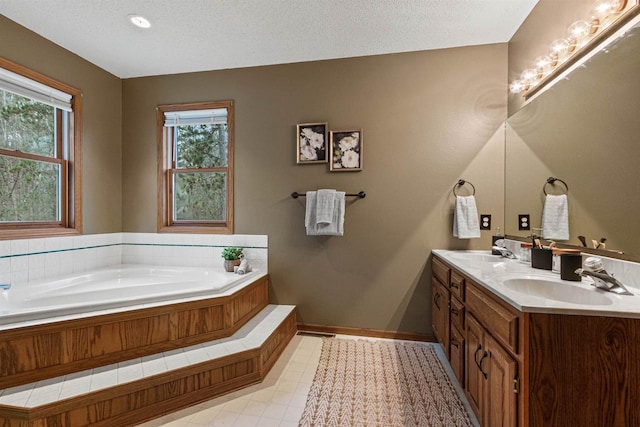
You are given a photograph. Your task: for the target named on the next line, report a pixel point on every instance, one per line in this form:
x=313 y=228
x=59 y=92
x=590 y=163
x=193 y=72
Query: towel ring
x=551 y=180
x=462 y=182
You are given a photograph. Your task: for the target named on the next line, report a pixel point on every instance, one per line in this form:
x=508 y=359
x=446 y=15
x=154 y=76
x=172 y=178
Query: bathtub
x=117 y=288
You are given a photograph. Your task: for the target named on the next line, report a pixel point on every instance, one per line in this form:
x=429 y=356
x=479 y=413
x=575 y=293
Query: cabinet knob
x=455 y=285
x=436 y=297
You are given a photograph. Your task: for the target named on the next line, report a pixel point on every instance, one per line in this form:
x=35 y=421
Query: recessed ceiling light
x=139 y=21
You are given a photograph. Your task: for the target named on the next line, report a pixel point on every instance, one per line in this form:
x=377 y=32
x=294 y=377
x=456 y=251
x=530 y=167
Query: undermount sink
x=557 y=291
x=476 y=256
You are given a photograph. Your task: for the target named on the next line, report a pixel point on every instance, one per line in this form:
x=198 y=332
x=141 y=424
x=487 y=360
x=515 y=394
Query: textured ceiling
x=198 y=35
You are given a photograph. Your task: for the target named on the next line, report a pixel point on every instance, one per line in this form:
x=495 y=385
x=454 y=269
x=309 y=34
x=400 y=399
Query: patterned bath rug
x=381 y=383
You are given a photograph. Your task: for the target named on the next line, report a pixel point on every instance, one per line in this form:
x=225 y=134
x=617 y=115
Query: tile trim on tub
x=177 y=245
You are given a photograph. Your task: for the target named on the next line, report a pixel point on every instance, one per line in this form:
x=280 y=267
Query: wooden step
x=125 y=393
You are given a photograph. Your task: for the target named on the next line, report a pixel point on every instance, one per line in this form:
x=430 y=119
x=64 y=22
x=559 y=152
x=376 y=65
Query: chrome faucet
x=5 y=286
x=500 y=246
x=601 y=279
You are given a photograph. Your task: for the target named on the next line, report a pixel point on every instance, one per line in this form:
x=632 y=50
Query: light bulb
x=517 y=86
x=602 y=9
x=579 y=32
x=139 y=21
x=529 y=75
x=544 y=63
x=559 y=48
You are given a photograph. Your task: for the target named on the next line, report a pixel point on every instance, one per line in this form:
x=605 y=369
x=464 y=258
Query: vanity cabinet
x=480 y=335
x=538 y=369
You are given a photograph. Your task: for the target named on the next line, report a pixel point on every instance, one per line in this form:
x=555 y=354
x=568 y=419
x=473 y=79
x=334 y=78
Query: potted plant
x=232 y=257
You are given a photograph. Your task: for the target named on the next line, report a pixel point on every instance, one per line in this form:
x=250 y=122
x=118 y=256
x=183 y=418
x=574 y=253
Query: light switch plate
x=524 y=222
x=485 y=222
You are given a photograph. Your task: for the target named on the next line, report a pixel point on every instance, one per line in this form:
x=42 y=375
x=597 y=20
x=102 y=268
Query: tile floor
x=276 y=402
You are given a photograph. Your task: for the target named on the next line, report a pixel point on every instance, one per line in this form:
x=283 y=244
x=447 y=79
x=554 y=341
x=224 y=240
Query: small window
x=39 y=137
x=196 y=167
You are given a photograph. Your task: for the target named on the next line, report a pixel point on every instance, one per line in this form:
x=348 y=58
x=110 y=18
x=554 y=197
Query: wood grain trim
x=364 y=332
x=502 y=323
x=151 y=397
x=584 y=371
x=38 y=352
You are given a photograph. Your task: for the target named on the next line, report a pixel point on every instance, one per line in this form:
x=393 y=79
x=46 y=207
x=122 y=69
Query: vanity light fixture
x=139 y=20
x=583 y=37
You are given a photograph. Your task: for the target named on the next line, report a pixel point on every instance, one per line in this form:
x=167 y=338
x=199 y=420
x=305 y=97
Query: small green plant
x=231 y=253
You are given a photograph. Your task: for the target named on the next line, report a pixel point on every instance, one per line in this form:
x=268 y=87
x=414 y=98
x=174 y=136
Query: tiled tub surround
x=492 y=275
x=24 y=261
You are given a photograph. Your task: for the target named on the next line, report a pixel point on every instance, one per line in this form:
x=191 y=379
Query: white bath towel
x=335 y=227
x=325 y=200
x=555 y=217
x=465 y=218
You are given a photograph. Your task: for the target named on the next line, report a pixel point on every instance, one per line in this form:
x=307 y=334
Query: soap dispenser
x=494 y=238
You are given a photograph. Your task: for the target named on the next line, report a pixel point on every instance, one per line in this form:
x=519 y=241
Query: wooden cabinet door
x=474 y=381
x=500 y=404
x=457 y=354
x=440 y=314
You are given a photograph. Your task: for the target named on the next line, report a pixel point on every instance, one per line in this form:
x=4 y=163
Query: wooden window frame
x=71 y=166
x=165 y=191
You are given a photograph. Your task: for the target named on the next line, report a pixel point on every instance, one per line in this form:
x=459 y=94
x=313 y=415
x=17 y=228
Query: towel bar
x=361 y=194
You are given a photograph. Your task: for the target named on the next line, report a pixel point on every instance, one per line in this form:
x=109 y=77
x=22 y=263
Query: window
x=195 y=169
x=39 y=154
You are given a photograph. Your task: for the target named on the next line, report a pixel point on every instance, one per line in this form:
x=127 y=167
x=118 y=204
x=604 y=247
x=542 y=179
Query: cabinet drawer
x=456 y=285
x=440 y=271
x=457 y=314
x=502 y=323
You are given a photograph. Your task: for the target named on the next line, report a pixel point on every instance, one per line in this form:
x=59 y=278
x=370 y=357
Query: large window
x=196 y=167
x=39 y=150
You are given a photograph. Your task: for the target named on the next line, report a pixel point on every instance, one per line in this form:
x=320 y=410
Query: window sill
x=34 y=233
x=194 y=229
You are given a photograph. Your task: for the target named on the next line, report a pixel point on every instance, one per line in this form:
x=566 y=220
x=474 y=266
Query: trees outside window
x=38 y=146
x=196 y=167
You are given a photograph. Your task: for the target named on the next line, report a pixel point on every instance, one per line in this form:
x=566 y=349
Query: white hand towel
x=243 y=267
x=336 y=226
x=325 y=200
x=310 y=213
x=555 y=217
x=465 y=218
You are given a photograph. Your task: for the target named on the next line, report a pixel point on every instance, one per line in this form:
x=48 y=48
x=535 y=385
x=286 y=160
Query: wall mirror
x=584 y=130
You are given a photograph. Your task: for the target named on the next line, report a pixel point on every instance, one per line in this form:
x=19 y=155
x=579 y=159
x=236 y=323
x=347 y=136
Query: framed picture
x=346 y=151
x=311 y=143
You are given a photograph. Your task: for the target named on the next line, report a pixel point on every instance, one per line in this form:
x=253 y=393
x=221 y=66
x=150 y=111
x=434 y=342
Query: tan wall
x=101 y=136
x=429 y=118
x=548 y=21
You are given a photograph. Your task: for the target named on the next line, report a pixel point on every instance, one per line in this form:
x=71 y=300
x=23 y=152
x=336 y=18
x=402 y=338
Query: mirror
x=584 y=130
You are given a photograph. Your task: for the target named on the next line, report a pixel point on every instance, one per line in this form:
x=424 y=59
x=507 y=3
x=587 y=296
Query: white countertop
x=496 y=274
